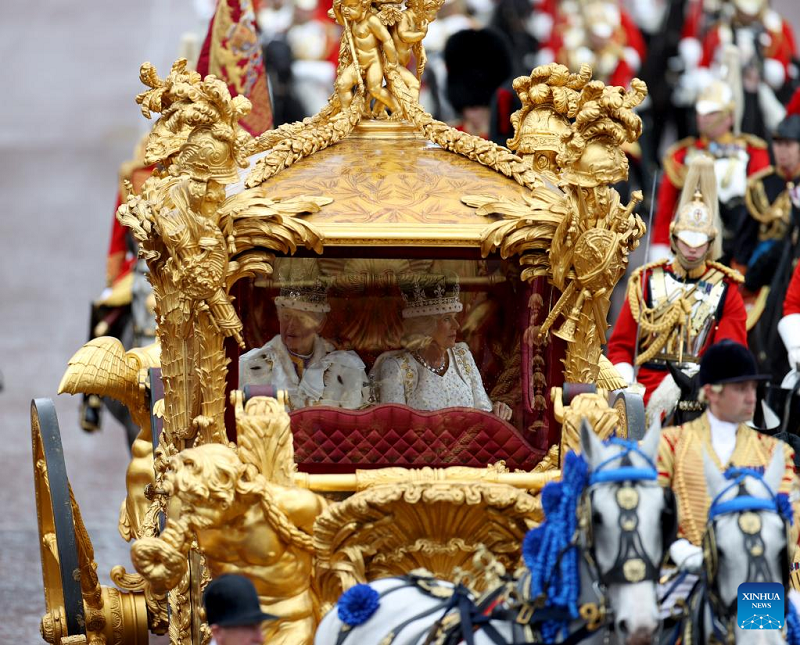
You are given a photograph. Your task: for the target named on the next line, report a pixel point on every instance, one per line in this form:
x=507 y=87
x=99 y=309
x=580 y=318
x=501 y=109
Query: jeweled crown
x=429 y=297
x=312 y=297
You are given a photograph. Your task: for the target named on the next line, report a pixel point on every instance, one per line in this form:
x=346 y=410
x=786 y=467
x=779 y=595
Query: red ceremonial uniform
x=627 y=38
x=778 y=41
x=675 y=173
x=729 y=322
x=791 y=303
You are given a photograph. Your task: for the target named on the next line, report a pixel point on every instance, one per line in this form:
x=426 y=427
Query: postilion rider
x=233 y=612
x=675 y=309
x=728 y=377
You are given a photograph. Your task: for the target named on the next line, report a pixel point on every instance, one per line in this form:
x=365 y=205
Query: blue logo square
x=760 y=605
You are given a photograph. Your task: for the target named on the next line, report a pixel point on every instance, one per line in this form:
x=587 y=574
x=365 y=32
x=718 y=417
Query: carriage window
x=356 y=334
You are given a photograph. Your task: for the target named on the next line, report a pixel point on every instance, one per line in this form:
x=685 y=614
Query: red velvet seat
x=333 y=440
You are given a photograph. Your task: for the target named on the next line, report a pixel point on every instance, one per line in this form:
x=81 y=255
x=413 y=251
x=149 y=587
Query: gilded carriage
x=309 y=499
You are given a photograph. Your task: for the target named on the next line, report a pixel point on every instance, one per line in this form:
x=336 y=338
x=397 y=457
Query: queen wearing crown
x=432 y=371
x=298 y=360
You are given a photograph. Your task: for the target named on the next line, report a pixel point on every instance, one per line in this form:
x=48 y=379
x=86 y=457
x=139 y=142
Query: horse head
x=746 y=540
x=628 y=523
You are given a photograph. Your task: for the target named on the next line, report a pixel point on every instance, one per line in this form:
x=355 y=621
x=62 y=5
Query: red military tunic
x=675 y=169
x=791 y=303
x=627 y=39
x=729 y=322
x=778 y=35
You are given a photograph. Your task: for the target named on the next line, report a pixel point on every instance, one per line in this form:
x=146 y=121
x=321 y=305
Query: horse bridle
x=632 y=563
x=750 y=524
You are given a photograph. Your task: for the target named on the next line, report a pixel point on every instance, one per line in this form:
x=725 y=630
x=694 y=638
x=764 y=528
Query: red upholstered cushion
x=333 y=440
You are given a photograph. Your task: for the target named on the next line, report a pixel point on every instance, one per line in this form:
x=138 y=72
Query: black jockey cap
x=231 y=601
x=728 y=362
x=788 y=129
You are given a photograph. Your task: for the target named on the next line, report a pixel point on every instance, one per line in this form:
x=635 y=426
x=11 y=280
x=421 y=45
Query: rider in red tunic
x=789 y=326
x=675 y=309
x=736 y=157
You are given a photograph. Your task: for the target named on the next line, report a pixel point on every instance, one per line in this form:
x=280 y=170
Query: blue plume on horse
x=548 y=550
x=551 y=498
x=785 y=507
x=357 y=605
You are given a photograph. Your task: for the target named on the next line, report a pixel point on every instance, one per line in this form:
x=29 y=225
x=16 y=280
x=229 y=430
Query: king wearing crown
x=298 y=360
x=676 y=309
x=432 y=371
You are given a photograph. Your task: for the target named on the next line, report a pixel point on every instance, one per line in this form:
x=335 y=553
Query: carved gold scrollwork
x=579 y=236
x=388 y=530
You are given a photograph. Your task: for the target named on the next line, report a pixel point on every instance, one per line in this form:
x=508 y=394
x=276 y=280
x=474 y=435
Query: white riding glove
x=789 y=329
x=686 y=556
x=625 y=371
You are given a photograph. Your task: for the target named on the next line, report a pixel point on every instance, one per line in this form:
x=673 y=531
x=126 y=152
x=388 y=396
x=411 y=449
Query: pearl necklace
x=439 y=371
x=304 y=357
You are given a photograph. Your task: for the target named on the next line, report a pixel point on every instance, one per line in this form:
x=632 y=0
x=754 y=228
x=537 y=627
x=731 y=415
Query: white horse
x=746 y=541
x=628 y=523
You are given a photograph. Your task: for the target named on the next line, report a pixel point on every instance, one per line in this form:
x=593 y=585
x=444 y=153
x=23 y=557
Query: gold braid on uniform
x=675 y=171
x=676 y=315
x=727 y=271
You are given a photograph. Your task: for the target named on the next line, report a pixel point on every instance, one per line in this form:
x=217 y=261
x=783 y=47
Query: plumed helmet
x=725 y=93
x=697 y=220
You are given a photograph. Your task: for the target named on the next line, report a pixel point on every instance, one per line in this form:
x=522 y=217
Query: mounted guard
x=676 y=309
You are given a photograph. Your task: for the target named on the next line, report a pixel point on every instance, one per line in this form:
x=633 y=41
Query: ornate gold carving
x=580 y=238
x=387 y=187
x=103 y=367
x=369 y=56
x=197 y=241
x=242 y=501
x=593 y=408
x=388 y=530
x=549 y=98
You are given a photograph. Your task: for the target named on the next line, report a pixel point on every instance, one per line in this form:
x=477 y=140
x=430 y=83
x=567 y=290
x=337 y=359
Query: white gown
x=400 y=378
x=331 y=377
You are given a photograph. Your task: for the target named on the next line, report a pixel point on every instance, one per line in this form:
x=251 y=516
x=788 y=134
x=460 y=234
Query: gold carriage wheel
x=631 y=410
x=57 y=540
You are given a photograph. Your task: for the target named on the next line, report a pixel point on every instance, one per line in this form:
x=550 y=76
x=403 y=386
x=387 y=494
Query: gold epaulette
x=755 y=197
x=753 y=141
x=733 y=274
x=676 y=172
